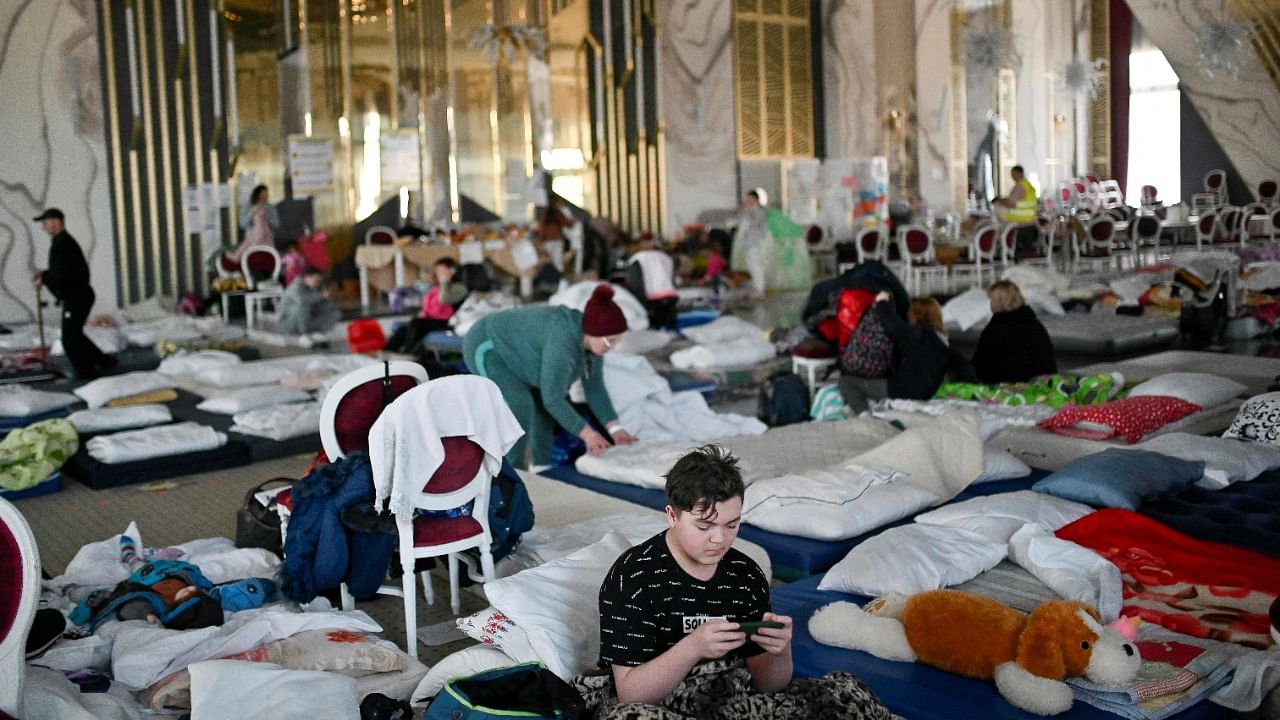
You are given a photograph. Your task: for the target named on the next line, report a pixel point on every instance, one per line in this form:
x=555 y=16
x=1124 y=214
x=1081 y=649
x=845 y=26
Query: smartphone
x=751 y=626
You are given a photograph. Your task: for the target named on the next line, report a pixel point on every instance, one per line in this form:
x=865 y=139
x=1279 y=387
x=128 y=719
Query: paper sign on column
x=400 y=159
x=310 y=164
x=524 y=255
x=224 y=195
x=194 y=213
x=470 y=253
x=210 y=204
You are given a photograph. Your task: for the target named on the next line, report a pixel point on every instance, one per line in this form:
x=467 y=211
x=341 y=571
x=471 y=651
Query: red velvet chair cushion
x=430 y=531
x=462 y=459
x=10 y=579
x=360 y=407
x=261 y=264
x=813 y=349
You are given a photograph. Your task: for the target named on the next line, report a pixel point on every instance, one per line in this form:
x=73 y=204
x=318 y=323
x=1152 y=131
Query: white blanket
x=49 y=695
x=197 y=362
x=480 y=305
x=104 y=390
x=271 y=372
x=723 y=329
x=776 y=452
x=180 y=328
x=105 y=419
x=19 y=401
x=739 y=352
x=155 y=441
x=98 y=564
x=576 y=296
x=651 y=412
x=241 y=689
x=280 y=422
x=142 y=653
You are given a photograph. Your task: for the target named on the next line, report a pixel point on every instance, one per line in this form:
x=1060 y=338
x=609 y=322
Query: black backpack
x=784 y=400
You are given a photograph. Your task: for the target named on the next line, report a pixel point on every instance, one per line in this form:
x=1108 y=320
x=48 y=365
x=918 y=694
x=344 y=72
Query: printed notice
x=310 y=164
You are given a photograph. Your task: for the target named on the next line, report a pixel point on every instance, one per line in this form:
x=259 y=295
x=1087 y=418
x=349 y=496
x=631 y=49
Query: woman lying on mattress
x=685 y=621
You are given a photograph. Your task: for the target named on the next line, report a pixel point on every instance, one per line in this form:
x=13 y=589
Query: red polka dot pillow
x=1132 y=418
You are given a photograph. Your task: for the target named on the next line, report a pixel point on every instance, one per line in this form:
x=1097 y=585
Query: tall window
x=773 y=65
x=1154 y=118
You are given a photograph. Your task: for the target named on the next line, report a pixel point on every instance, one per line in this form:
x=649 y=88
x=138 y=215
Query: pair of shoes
x=47 y=629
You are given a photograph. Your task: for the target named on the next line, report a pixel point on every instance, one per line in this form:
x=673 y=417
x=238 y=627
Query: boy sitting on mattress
x=670 y=610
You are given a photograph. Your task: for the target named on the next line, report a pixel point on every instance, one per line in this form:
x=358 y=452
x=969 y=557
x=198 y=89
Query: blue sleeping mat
x=14 y=423
x=793 y=557
x=913 y=690
x=1246 y=515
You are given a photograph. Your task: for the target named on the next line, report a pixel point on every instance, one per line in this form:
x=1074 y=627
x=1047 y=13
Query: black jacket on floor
x=923 y=357
x=1014 y=347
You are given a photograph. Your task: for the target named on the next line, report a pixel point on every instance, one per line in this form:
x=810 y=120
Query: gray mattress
x=1098 y=333
x=1255 y=373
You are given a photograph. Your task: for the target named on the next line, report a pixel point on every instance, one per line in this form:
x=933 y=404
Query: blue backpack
x=784 y=400
x=195 y=611
x=527 y=690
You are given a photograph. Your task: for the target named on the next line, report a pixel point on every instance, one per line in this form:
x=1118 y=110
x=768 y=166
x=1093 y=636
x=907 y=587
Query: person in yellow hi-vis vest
x=1021 y=204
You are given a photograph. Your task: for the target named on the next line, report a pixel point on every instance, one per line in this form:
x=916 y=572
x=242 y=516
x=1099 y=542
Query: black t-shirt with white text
x=648 y=603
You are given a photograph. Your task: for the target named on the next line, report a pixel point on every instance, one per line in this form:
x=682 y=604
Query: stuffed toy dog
x=1028 y=656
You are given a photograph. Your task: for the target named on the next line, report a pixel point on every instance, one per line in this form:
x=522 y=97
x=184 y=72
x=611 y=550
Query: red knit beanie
x=603 y=317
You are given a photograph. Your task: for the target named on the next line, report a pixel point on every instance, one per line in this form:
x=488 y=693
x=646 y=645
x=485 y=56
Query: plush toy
x=1028 y=656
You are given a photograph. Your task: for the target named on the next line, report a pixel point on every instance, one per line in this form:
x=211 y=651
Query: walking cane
x=44 y=350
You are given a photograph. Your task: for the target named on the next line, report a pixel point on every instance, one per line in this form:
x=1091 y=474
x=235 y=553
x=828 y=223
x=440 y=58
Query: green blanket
x=1052 y=390
x=29 y=455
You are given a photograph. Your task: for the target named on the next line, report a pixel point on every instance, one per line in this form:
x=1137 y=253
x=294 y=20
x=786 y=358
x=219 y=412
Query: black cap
x=51 y=214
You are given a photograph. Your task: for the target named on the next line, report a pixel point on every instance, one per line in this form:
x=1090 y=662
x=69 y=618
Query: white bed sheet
x=106 y=419
x=155 y=441
x=271 y=372
x=738 y=352
x=775 y=452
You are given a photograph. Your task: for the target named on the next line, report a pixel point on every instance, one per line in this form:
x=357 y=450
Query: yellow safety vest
x=1028 y=207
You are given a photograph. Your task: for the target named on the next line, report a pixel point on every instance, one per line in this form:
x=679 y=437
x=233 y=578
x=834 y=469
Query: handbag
x=527 y=690
x=258 y=525
x=869 y=353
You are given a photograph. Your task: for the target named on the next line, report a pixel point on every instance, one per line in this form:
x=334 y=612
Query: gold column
x=169 y=238
x=180 y=122
x=1100 y=108
x=116 y=145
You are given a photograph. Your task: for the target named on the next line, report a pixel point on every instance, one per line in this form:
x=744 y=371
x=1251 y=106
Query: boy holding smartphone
x=673 y=604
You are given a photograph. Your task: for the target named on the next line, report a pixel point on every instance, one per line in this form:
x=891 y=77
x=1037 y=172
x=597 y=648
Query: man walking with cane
x=68 y=279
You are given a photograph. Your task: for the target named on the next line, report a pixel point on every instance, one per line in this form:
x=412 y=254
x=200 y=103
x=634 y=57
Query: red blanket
x=1199 y=588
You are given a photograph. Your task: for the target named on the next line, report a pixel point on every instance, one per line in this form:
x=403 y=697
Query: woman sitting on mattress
x=925 y=359
x=1014 y=346
x=535 y=353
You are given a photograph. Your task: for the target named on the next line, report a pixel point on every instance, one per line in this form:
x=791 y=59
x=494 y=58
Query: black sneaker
x=46 y=630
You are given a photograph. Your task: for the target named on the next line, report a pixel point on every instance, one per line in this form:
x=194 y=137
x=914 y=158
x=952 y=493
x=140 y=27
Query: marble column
x=850 y=78
x=934 y=101
x=1243 y=113
x=54 y=153
x=1035 y=86
x=698 y=108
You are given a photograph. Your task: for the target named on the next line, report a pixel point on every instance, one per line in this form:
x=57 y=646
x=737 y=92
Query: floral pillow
x=498 y=631
x=1132 y=418
x=1258 y=420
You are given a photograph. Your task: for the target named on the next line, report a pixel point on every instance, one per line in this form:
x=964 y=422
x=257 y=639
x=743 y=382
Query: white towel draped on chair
x=405 y=443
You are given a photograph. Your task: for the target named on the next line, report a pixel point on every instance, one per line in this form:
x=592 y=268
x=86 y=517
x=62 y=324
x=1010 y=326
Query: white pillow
x=913 y=558
x=1001 y=464
x=197 y=362
x=833 y=505
x=123 y=418
x=557 y=603
x=104 y=390
x=253 y=398
x=463 y=663
x=1201 y=389
x=239 y=689
x=20 y=401
x=1226 y=460
x=998 y=517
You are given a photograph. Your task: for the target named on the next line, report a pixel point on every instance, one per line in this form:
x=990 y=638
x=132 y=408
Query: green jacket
x=542 y=346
